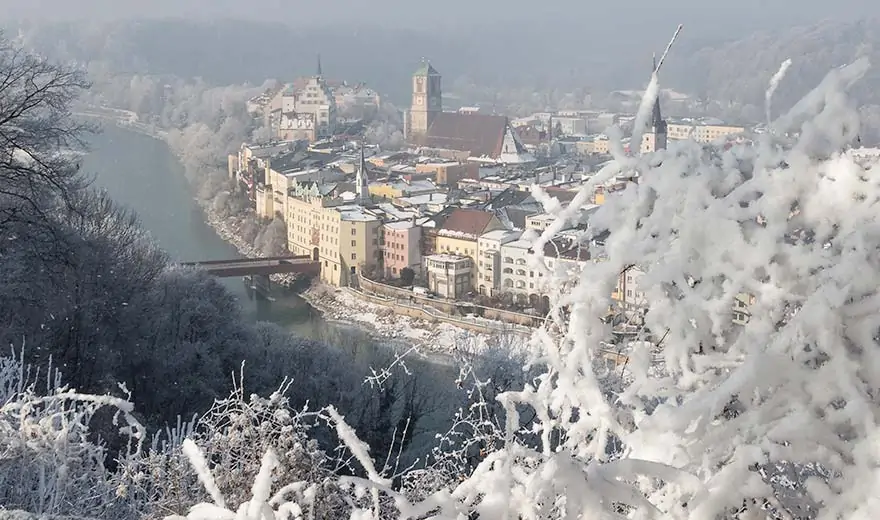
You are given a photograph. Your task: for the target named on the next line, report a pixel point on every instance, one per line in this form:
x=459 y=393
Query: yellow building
x=460 y=233
x=702 y=133
x=344 y=238
x=304 y=213
x=401 y=188
x=595 y=145
x=351 y=244
x=445 y=173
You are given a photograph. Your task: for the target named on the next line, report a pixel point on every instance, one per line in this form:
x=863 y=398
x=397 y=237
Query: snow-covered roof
x=402 y=224
x=428 y=198
x=519 y=244
x=355 y=213
x=499 y=234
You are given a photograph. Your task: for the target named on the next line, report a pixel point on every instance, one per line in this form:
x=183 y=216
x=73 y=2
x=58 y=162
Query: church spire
x=320 y=72
x=657 y=123
x=363 y=188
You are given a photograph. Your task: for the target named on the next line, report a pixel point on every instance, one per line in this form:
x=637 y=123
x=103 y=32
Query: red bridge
x=259 y=266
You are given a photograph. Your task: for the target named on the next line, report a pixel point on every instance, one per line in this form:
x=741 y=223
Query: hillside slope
x=739 y=71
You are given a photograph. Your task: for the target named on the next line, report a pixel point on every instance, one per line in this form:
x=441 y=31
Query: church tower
x=658 y=124
x=426 y=100
x=362 y=188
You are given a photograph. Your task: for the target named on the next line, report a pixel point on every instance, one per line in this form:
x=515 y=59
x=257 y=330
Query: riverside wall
x=449 y=308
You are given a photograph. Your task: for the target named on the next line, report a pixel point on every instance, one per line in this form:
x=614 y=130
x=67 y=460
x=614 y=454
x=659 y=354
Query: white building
x=629 y=293
x=295 y=126
x=516 y=278
x=449 y=276
x=489 y=259
x=317 y=99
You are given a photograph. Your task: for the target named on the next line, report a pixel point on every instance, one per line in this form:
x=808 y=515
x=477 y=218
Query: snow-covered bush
x=50 y=461
x=235 y=437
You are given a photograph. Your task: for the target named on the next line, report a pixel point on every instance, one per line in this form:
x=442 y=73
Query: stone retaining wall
x=450 y=308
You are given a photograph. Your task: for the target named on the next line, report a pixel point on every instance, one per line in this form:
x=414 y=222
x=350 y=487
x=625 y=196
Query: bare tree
x=37 y=137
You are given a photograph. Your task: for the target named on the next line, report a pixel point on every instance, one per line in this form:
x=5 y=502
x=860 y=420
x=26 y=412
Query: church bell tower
x=426 y=100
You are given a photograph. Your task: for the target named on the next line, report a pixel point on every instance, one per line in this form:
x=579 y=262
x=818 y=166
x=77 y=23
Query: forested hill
x=739 y=71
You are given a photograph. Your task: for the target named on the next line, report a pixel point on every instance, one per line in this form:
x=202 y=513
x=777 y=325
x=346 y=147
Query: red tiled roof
x=479 y=134
x=468 y=221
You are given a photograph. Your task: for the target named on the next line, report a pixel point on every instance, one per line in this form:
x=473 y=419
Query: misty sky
x=711 y=15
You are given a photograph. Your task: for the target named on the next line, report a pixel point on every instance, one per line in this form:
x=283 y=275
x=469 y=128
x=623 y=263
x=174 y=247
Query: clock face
x=419 y=100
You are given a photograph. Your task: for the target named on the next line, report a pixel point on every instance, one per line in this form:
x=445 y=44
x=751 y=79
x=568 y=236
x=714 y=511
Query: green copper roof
x=426 y=70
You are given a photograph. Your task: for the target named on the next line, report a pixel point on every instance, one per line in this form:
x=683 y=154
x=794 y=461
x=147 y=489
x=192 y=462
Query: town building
x=402 y=188
x=702 y=131
x=517 y=279
x=400 y=243
x=317 y=99
x=445 y=173
x=449 y=275
x=489 y=259
x=282 y=172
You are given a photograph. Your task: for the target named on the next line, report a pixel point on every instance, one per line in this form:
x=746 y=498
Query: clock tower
x=426 y=99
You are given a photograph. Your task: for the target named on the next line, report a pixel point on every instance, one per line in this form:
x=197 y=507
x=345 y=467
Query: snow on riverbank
x=428 y=337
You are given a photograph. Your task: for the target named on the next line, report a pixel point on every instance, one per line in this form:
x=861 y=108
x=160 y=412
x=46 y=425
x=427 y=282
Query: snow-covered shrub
x=50 y=462
x=234 y=438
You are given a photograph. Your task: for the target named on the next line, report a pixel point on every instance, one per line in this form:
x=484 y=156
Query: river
x=141 y=173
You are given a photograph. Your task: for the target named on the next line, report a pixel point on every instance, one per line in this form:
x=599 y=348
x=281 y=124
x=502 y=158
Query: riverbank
x=429 y=337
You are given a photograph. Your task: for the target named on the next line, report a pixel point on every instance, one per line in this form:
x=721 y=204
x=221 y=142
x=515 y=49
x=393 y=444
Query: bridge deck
x=258 y=266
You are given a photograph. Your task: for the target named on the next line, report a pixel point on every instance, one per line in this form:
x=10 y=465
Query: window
x=353 y=232
x=354 y=243
x=354 y=256
x=520 y=272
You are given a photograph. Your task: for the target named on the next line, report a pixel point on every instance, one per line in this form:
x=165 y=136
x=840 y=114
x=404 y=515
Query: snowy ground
x=428 y=337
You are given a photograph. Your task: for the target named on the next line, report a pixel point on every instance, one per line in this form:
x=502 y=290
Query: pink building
x=401 y=247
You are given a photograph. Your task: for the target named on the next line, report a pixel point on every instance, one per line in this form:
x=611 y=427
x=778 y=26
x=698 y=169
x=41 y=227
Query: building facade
x=317 y=99
x=489 y=260
x=400 y=243
x=449 y=276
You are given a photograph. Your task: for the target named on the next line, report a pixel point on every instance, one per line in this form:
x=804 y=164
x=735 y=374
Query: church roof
x=478 y=134
x=426 y=69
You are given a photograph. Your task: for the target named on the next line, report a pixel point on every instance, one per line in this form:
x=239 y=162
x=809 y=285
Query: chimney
x=430 y=197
